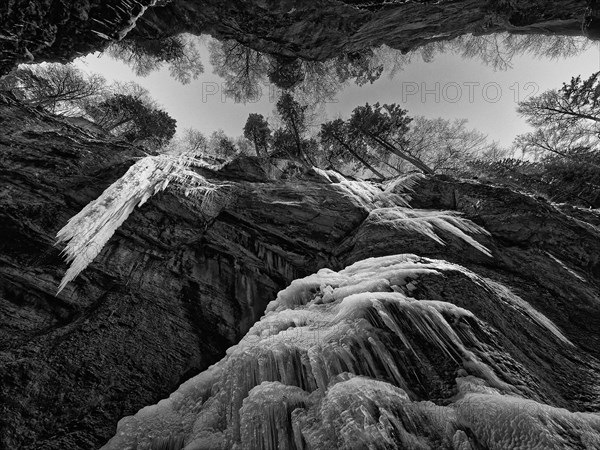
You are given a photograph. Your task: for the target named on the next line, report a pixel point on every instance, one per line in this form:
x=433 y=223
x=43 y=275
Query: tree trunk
x=119 y=123
x=256 y=148
x=389 y=147
x=357 y=156
x=304 y=158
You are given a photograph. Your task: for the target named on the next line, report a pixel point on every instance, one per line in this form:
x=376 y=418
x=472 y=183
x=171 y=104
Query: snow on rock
x=349 y=360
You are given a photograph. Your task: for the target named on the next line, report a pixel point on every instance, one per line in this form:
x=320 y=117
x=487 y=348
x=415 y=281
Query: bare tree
x=496 y=50
x=180 y=53
x=243 y=69
x=195 y=141
x=558 y=139
x=222 y=146
x=58 y=88
x=564 y=120
x=577 y=102
x=444 y=145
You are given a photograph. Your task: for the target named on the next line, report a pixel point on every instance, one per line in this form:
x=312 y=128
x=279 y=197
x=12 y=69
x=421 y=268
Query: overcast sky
x=449 y=87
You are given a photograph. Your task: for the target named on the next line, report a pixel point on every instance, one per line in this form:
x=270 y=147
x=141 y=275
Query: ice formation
x=429 y=224
x=396 y=192
x=353 y=360
x=89 y=231
x=388 y=206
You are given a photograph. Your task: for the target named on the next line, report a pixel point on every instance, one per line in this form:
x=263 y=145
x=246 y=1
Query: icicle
x=339 y=360
x=369 y=195
x=521 y=305
x=131 y=14
x=88 y=231
x=330 y=176
x=266 y=416
x=404 y=184
x=428 y=223
x=359 y=412
x=102 y=35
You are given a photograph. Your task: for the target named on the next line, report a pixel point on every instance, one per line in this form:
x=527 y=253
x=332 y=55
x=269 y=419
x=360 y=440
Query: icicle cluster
x=88 y=231
x=349 y=359
x=127 y=13
x=388 y=206
x=429 y=223
x=370 y=195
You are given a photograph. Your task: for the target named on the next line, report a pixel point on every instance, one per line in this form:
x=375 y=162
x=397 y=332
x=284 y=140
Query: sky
x=450 y=87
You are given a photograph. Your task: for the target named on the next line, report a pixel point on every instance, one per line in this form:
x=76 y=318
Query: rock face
x=165 y=299
x=483 y=296
x=60 y=31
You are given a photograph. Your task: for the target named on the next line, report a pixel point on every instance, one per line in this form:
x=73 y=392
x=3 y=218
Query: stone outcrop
x=46 y=30
x=172 y=291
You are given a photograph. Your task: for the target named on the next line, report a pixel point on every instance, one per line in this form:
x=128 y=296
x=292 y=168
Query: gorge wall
x=63 y=30
x=480 y=304
x=122 y=312
x=501 y=300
